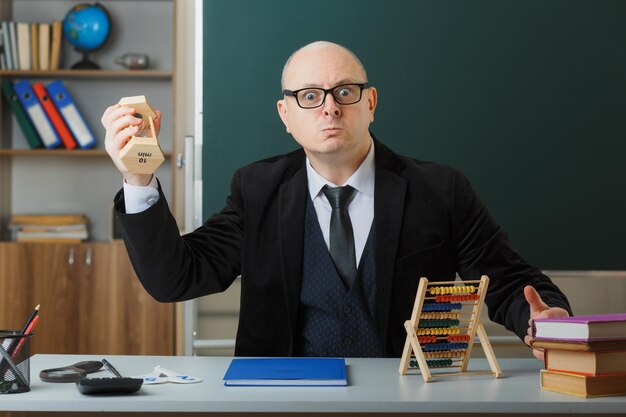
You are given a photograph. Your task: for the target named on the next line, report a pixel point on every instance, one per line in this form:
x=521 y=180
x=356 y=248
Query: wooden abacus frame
x=471 y=327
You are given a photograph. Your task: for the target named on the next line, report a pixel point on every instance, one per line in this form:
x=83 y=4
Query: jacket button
x=347 y=341
x=347 y=309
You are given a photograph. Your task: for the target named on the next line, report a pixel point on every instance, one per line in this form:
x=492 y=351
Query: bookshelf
x=96 y=273
x=84 y=181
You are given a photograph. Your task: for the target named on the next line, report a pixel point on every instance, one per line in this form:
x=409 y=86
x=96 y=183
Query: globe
x=87 y=27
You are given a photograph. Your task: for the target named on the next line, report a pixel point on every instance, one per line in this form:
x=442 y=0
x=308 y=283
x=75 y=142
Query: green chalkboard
x=528 y=98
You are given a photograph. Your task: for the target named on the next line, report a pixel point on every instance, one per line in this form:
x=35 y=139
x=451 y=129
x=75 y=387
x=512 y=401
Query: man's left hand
x=539 y=309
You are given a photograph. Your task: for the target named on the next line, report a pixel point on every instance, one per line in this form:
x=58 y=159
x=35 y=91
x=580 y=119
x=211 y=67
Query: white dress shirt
x=361 y=208
x=138 y=198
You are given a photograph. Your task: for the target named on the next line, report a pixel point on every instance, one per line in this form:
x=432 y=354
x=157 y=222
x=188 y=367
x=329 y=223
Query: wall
x=526 y=97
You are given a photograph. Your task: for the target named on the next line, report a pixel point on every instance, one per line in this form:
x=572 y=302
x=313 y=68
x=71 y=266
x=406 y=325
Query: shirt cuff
x=138 y=198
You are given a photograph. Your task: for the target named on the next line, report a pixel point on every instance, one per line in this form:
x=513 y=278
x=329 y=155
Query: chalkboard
x=527 y=98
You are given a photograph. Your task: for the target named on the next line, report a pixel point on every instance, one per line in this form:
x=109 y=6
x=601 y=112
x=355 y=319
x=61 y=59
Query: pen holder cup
x=14 y=362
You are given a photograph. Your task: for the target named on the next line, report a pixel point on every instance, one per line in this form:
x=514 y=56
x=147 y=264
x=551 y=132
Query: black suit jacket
x=428 y=221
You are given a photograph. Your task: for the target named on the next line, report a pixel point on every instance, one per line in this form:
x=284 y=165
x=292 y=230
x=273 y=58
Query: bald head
x=334 y=133
x=320 y=50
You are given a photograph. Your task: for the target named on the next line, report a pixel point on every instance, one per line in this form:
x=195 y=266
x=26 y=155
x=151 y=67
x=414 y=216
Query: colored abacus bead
x=439 y=363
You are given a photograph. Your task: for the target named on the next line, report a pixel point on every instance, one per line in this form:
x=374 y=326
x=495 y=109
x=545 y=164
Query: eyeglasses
x=311 y=97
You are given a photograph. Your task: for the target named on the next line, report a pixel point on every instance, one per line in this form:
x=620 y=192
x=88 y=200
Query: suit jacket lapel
x=291 y=208
x=389 y=198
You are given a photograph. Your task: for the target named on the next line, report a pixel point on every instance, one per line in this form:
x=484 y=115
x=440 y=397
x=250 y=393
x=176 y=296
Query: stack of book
x=58 y=228
x=30 y=46
x=584 y=355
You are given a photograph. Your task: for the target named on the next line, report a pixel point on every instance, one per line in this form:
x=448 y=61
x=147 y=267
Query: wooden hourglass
x=142 y=154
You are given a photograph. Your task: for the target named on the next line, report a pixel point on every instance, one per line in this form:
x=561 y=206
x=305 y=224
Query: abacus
x=442 y=328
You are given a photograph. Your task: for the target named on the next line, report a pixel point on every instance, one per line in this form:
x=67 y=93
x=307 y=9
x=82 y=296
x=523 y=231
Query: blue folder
x=72 y=116
x=286 y=372
x=29 y=101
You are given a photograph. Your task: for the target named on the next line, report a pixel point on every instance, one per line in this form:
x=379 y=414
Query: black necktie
x=341 y=236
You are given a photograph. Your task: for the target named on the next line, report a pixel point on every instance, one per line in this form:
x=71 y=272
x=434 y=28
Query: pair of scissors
x=71 y=373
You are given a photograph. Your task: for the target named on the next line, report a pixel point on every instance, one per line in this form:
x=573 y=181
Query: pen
x=111 y=368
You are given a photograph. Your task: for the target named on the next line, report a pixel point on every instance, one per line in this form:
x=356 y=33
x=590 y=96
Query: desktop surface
x=374 y=386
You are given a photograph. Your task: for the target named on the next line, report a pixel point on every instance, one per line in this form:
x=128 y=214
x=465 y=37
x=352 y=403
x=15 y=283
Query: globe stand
x=87 y=27
x=141 y=154
x=85 y=63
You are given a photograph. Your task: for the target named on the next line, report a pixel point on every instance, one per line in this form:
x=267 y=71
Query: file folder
x=286 y=372
x=31 y=135
x=23 y=45
x=13 y=39
x=6 y=41
x=3 y=60
x=72 y=116
x=54 y=116
x=36 y=113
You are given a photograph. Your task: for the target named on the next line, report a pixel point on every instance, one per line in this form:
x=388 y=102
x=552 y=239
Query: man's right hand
x=121 y=124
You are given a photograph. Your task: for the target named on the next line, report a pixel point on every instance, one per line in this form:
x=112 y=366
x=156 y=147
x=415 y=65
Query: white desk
x=374 y=387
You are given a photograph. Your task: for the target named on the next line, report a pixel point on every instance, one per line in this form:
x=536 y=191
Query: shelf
x=105 y=74
x=63 y=152
x=64 y=180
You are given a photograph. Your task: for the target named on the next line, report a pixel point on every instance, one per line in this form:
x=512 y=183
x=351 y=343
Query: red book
x=54 y=116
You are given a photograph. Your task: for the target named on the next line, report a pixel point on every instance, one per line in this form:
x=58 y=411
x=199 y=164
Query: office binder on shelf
x=31 y=135
x=44 y=46
x=36 y=113
x=6 y=41
x=34 y=45
x=286 y=372
x=23 y=45
x=3 y=60
x=54 y=116
x=14 y=52
x=55 y=45
x=72 y=116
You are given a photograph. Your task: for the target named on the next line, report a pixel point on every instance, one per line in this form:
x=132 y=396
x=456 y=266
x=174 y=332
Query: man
x=320 y=280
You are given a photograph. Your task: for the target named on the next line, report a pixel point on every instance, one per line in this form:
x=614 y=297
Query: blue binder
x=72 y=116
x=37 y=114
x=286 y=372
